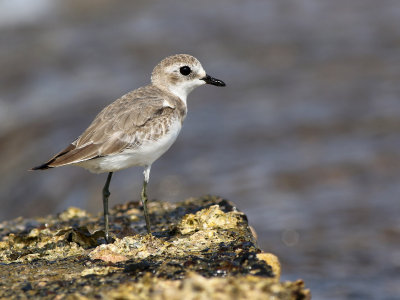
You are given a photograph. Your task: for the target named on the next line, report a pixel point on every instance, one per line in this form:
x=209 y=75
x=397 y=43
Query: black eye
x=185 y=70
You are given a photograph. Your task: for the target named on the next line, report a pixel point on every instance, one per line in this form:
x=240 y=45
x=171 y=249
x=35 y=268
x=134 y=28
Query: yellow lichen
x=72 y=212
x=209 y=218
x=273 y=261
x=99 y=271
x=195 y=286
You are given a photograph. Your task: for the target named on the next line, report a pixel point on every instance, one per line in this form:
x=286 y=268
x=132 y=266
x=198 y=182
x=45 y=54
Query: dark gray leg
x=144 y=197
x=106 y=194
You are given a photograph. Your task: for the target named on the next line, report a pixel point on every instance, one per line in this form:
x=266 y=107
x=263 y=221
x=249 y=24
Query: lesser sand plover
x=136 y=129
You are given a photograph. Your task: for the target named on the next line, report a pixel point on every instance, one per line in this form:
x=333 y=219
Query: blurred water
x=305 y=138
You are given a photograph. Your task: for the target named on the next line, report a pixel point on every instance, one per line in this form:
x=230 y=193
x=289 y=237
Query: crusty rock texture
x=201 y=248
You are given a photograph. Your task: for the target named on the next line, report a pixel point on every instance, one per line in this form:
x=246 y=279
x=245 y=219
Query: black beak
x=214 y=81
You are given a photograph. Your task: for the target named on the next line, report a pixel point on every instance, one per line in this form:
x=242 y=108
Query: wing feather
x=122 y=124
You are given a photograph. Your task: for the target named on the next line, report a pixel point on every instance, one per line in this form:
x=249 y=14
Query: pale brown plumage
x=143 y=114
x=138 y=128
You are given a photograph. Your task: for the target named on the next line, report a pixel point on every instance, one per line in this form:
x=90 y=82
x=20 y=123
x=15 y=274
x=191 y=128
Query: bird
x=137 y=128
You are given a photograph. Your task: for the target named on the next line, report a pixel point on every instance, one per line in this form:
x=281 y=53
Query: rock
x=273 y=261
x=201 y=248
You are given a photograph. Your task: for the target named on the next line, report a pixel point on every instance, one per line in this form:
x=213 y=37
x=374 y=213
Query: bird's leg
x=106 y=194
x=146 y=174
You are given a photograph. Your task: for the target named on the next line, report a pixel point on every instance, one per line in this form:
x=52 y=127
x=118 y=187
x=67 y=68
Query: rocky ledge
x=202 y=248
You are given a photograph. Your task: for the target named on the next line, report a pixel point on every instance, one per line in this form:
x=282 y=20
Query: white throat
x=183 y=89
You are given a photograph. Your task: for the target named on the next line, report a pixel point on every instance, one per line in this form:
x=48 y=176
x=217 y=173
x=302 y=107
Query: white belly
x=144 y=155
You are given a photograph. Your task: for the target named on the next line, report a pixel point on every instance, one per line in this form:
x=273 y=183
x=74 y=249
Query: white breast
x=145 y=155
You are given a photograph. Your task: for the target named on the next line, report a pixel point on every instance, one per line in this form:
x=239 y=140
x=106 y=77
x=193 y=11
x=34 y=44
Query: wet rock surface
x=202 y=246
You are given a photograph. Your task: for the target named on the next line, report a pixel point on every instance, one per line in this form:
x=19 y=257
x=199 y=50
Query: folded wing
x=117 y=127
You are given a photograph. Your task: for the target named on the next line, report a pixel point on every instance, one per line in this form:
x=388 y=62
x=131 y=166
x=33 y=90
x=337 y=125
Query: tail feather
x=45 y=166
x=75 y=155
x=48 y=164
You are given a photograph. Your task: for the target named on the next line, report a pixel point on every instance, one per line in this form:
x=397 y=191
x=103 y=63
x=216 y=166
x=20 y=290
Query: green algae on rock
x=202 y=246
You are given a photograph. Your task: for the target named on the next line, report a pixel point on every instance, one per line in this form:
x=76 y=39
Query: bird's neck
x=179 y=91
x=178 y=95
